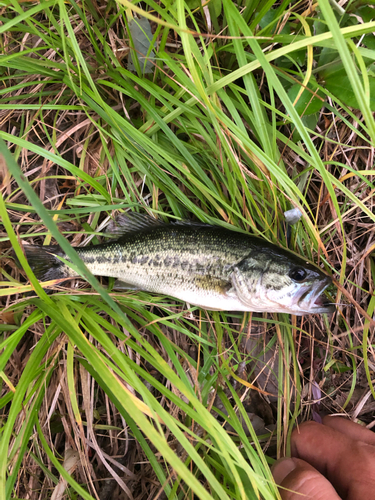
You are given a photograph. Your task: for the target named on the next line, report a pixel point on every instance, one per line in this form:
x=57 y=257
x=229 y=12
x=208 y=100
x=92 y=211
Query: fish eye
x=298 y=274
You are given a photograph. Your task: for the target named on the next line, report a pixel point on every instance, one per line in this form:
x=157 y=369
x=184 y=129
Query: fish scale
x=204 y=265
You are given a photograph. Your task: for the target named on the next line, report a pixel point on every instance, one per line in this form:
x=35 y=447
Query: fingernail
x=282 y=468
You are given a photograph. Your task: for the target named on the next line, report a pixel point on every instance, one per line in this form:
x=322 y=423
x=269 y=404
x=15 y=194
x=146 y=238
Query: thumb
x=298 y=480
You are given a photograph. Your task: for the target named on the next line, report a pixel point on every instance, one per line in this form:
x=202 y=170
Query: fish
x=204 y=265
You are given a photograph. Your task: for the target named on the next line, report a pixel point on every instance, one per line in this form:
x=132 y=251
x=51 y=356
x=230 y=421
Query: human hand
x=331 y=461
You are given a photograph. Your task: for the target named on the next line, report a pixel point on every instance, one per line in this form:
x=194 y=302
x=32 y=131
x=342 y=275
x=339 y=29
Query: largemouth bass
x=204 y=265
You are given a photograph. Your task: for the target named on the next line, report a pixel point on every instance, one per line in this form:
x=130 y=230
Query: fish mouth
x=313 y=300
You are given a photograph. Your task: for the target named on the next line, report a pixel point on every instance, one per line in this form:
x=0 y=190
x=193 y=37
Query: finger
x=350 y=429
x=298 y=480
x=348 y=464
x=320 y=445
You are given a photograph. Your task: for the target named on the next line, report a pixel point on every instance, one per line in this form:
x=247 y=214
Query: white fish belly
x=212 y=302
x=181 y=287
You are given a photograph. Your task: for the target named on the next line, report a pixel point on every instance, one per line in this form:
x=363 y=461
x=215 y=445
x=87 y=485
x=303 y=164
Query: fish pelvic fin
x=120 y=285
x=45 y=263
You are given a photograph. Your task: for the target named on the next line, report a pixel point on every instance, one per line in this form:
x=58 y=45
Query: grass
x=136 y=387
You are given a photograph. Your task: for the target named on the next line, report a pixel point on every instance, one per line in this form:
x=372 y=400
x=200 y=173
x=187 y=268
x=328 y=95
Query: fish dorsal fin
x=191 y=223
x=132 y=222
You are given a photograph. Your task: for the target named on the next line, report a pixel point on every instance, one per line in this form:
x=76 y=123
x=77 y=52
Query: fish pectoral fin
x=231 y=292
x=239 y=288
x=212 y=283
x=123 y=285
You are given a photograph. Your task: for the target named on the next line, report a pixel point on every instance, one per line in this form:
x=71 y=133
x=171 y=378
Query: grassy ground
x=242 y=111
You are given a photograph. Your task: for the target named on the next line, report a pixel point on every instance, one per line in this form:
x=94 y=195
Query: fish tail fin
x=45 y=264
